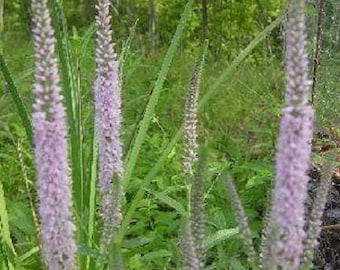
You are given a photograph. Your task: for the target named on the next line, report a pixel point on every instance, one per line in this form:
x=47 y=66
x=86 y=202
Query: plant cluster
x=84 y=209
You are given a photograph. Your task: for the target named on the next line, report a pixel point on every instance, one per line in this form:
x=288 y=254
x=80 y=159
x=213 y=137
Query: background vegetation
x=239 y=124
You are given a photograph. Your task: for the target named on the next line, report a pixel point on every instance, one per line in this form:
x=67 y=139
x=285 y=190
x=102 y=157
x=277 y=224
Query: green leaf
x=218 y=237
x=88 y=251
x=92 y=192
x=6 y=245
x=137 y=242
x=19 y=104
x=169 y=201
x=85 y=42
x=153 y=100
x=156 y=254
x=25 y=256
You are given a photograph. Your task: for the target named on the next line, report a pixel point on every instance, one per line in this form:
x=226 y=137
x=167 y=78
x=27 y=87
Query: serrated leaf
x=137 y=242
x=87 y=251
x=157 y=254
x=170 y=202
x=218 y=237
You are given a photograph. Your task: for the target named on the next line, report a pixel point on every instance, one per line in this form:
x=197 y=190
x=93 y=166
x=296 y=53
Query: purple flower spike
x=294 y=150
x=50 y=140
x=108 y=123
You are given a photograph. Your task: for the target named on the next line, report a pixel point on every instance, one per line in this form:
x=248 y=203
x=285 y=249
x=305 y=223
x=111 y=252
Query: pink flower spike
x=293 y=151
x=50 y=148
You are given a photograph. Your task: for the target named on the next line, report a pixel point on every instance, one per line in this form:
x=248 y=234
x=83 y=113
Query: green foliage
x=153 y=99
x=6 y=245
x=9 y=83
x=230 y=23
x=328 y=79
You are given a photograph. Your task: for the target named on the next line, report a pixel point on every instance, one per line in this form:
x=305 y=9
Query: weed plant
x=238 y=111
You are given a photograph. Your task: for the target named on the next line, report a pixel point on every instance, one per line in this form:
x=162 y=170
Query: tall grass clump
x=50 y=148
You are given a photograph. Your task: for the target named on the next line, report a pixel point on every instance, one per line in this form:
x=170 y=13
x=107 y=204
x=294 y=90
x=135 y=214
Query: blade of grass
x=7 y=259
x=153 y=100
x=5 y=237
x=28 y=189
x=212 y=91
x=28 y=254
x=71 y=91
x=92 y=198
x=122 y=59
x=23 y=75
x=64 y=58
x=85 y=42
x=17 y=99
x=126 y=46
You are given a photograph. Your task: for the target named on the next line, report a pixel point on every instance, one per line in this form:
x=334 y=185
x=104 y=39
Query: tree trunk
x=204 y=19
x=317 y=49
x=152 y=24
x=89 y=9
x=26 y=15
x=2 y=2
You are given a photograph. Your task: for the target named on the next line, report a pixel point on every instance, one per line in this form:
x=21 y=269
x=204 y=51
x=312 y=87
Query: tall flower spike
x=190 y=119
x=294 y=149
x=319 y=204
x=191 y=260
x=108 y=123
x=241 y=219
x=197 y=206
x=50 y=148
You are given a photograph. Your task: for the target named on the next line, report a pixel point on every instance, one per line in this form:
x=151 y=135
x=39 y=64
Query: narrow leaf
x=5 y=237
x=169 y=201
x=218 y=237
x=17 y=99
x=150 y=108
